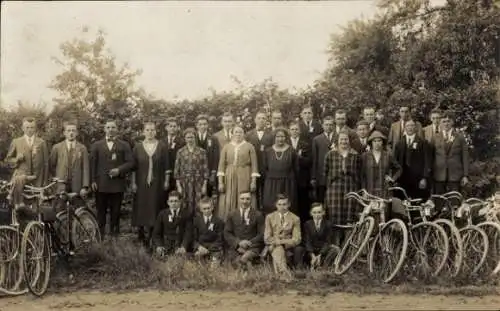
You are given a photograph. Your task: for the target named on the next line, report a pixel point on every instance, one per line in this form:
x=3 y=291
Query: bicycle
x=485 y=222
x=47 y=236
x=362 y=232
x=446 y=219
x=429 y=243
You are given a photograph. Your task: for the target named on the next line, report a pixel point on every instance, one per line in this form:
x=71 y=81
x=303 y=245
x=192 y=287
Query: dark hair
x=261 y=111
x=296 y=123
x=29 y=119
x=281 y=196
x=189 y=130
x=205 y=200
x=369 y=107
x=362 y=122
x=317 y=204
x=202 y=117
x=307 y=107
x=328 y=118
x=172 y=120
x=341 y=111
x=174 y=193
x=343 y=132
x=282 y=130
x=243 y=192
x=436 y=110
x=227 y=114
x=147 y=123
x=68 y=123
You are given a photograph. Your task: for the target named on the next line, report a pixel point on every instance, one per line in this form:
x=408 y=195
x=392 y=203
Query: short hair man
x=208 y=233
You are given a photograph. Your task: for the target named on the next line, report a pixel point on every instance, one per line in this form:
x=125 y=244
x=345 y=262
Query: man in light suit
x=224 y=135
x=397 y=128
x=309 y=127
x=261 y=138
x=29 y=155
x=282 y=236
x=320 y=146
x=110 y=162
x=244 y=232
x=69 y=161
x=451 y=158
x=432 y=130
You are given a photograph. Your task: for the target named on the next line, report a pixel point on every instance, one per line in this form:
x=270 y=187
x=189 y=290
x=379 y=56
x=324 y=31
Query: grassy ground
x=122 y=266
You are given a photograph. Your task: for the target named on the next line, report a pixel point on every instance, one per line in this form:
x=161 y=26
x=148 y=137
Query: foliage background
x=411 y=53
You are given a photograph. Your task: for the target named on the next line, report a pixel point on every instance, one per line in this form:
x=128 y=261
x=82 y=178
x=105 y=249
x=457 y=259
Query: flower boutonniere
x=262 y=147
x=311 y=129
x=209 y=142
x=211 y=227
x=285 y=224
x=113 y=156
x=247 y=221
x=299 y=152
x=414 y=146
x=170 y=218
x=173 y=145
x=333 y=146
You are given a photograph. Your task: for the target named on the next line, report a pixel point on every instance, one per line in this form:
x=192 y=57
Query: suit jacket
x=304 y=155
x=415 y=159
x=288 y=233
x=307 y=133
x=320 y=147
x=430 y=134
x=451 y=159
x=211 y=146
x=379 y=127
x=237 y=229
x=316 y=240
x=357 y=145
x=173 y=232
x=396 y=133
x=35 y=162
x=77 y=172
x=211 y=235
x=172 y=149
x=221 y=139
x=260 y=146
x=102 y=160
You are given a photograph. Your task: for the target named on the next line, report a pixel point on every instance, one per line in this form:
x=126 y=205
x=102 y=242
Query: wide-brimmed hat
x=376 y=134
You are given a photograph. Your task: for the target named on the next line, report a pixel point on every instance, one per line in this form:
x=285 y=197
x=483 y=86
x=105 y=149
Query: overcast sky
x=183 y=48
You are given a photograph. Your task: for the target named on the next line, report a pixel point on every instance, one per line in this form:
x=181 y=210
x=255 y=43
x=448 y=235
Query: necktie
x=436 y=130
x=175 y=212
x=70 y=160
x=317 y=225
x=282 y=219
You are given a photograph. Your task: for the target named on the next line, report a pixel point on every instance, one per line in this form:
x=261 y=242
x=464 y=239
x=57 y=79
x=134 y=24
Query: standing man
x=320 y=146
x=309 y=127
x=451 y=158
x=261 y=138
x=360 y=143
x=205 y=140
x=110 y=161
x=341 y=125
x=374 y=125
x=69 y=161
x=226 y=133
x=413 y=154
x=397 y=128
x=29 y=155
x=432 y=130
x=174 y=142
x=276 y=120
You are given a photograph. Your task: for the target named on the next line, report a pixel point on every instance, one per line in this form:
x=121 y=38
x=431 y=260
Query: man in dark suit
x=206 y=141
x=303 y=148
x=173 y=229
x=244 y=232
x=413 y=154
x=276 y=120
x=318 y=237
x=451 y=158
x=208 y=233
x=374 y=125
x=397 y=130
x=110 y=162
x=261 y=138
x=174 y=142
x=320 y=146
x=309 y=127
x=360 y=143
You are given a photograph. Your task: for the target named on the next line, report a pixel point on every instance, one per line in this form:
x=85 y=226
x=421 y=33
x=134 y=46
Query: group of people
x=242 y=195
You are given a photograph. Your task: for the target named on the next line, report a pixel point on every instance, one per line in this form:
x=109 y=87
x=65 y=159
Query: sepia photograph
x=250 y=155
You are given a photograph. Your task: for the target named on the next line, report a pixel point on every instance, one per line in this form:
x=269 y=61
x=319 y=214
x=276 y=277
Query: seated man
x=244 y=231
x=318 y=237
x=208 y=232
x=173 y=229
x=282 y=236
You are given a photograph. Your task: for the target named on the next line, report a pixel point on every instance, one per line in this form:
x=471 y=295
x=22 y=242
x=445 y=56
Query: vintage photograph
x=250 y=155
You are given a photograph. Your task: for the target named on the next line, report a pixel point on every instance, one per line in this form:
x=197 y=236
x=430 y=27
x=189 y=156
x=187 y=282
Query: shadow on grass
x=122 y=266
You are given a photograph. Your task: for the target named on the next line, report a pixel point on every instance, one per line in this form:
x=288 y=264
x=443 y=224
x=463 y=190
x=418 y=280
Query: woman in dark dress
x=343 y=172
x=191 y=171
x=380 y=168
x=280 y=166
x=148 y=181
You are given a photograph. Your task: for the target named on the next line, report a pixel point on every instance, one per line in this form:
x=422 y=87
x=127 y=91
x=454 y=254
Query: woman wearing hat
x=379 y=167
x=342 y=172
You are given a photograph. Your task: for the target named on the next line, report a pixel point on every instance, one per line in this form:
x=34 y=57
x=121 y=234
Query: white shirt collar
x=70 y=144
x=29 y=139
x=410 y=137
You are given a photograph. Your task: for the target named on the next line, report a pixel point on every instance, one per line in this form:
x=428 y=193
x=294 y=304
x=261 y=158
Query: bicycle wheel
x=492 y=263
x=456 y=255
x=85 y=230
x=11 y=273
x=36 y=255
x=429 y=249
x=354 y=245
x=388 y=250
x=475 y=246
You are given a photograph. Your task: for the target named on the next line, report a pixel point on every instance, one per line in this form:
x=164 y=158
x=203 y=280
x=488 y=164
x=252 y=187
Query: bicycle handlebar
x=42 y=189
x=357 y=197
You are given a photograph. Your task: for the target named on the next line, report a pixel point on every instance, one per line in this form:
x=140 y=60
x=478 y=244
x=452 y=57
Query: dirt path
x=248 y=302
